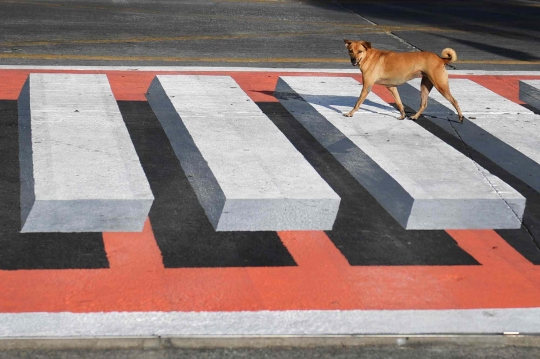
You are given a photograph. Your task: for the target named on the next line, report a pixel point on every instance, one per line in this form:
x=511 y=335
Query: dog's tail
x=448 y=55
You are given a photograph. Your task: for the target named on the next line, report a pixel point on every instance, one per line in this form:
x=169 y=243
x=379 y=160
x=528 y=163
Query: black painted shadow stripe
x=525 y=240
x=364 y=232
x=35 y=250
x=182 y=230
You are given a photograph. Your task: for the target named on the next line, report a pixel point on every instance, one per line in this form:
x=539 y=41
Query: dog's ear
x=347 y=42
x=367 y=44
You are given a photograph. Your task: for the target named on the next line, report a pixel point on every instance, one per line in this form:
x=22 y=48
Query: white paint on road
x=503 y=131
x=246 y=174
x=293 y=322
x=473 y=98
x=529 y=92
x=419 y=179
x=79 y=169
x=343 y=70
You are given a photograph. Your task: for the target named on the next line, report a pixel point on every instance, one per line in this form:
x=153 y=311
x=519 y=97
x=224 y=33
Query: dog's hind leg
x=394 y=92
x=443 y=88
x=425 y=87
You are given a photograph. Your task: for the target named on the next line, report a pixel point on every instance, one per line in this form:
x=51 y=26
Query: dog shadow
x=333 y=102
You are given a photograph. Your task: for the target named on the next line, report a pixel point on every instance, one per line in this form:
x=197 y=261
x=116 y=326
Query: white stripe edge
x=239 y=69
x=295 y=322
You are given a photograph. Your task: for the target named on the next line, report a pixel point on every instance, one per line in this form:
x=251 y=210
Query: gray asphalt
x=487 y=34
x=371 y=352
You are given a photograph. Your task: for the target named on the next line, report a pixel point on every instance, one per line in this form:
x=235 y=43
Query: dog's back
x=391 y=69
x=395 y=68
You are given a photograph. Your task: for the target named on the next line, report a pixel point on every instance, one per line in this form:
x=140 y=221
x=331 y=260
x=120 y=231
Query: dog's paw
x=348 y=114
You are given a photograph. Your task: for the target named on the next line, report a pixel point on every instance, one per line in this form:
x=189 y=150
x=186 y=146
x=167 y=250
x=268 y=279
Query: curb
x=500 y=340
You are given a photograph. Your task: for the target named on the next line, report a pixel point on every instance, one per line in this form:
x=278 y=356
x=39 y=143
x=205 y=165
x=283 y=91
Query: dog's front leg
x=365 y=91
x=395 y=93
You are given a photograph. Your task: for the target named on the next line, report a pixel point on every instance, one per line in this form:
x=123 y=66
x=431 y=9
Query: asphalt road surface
x=487 y=34
x=370 y=352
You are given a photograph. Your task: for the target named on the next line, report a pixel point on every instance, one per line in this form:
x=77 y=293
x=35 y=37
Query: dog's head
x=357 y=50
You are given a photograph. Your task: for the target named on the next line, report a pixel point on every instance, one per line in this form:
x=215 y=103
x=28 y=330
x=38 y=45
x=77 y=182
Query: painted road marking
x=145 y=39
x=420 y=180
x=216 y=69
x=529 y=92
x=322 y=288
x=293 y=322
x=246 y=174
x=315 y=60
x=503 y=131
x=171 y=39
x=474 y=99
x=171 y=58
x=79 y=169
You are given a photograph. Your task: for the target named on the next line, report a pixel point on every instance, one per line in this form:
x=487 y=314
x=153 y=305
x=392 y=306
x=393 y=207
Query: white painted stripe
x=241 y=69
x=79 y=169
x=510 y=136
x=178 y=68
x=529 y=92
x=423 y=182
x=494 y=72
x=473 y=99
x=246 y=174
x=305 y=322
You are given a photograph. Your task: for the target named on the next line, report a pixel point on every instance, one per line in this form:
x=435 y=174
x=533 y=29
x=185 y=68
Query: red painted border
x=323 y=279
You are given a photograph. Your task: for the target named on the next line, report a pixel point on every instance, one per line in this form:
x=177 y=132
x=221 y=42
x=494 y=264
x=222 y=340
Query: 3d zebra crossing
x=221 y=160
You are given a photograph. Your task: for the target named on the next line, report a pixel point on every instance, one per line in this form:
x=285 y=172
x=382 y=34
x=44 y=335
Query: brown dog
x=391 y=69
